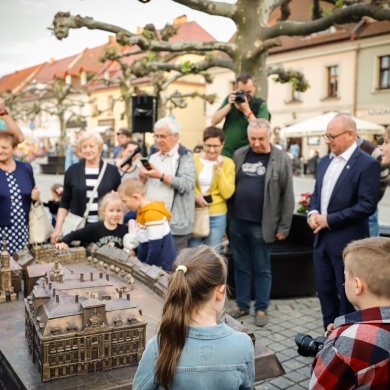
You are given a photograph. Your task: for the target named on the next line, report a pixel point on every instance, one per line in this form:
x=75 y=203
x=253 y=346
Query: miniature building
x=129 y=266
x=45 y=253
x=6 y=274
x=75 y=326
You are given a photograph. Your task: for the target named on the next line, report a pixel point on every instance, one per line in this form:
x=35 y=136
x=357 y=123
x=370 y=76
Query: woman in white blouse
x=215 y=184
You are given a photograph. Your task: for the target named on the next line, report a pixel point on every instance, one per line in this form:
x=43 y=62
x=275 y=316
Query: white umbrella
x=318 y=124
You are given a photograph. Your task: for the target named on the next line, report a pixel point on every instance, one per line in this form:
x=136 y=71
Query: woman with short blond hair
x=80 y=179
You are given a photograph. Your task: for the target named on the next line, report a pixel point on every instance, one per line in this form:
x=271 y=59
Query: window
x=83 y=78
x=384 y=72
x=110 y=103
x=68 y=79
x=332 y=80
x=295 y=95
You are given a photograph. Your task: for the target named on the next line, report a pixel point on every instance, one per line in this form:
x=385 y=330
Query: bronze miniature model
x=76 y=325
x=7 y=282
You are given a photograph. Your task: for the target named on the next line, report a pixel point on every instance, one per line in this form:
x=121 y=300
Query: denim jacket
x=214 y=357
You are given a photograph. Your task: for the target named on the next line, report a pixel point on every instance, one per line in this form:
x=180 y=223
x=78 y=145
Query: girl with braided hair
x=191 y=350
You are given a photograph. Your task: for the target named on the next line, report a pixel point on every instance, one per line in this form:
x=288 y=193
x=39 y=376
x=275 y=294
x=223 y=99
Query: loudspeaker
x=144 y=113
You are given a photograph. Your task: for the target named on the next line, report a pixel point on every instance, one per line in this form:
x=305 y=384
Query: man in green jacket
x=239 y=108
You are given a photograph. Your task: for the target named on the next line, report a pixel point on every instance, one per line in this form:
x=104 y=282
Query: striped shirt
x=91 y=178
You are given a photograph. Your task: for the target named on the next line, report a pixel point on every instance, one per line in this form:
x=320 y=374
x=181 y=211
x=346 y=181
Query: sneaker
x=236 y=312
x=261 y=318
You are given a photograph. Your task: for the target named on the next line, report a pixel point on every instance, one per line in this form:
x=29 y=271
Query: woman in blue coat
x=17 y=191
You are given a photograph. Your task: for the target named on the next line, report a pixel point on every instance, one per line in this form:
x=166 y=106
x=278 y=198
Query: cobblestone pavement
x=288 y=317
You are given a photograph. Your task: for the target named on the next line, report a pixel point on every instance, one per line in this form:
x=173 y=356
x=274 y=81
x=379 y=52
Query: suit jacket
x=279 y=199
x=74 y=197
x=354 y=198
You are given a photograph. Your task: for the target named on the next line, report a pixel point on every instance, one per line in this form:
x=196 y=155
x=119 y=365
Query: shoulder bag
x=40 y=227
x=74 y=222
x=202 y=222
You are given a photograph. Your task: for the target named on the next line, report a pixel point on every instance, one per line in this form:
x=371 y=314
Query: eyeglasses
x=331 y=138
x=156 y=137
x=209 y=147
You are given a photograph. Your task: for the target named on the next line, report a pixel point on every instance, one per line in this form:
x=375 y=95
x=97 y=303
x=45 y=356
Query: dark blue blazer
x=25 y=179
x=354 y=198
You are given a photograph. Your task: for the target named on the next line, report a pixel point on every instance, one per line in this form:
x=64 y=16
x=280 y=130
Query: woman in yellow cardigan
x=215 y=177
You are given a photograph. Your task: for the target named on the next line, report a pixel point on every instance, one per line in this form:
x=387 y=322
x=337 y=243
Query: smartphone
x=208 y=198
x=145 y=163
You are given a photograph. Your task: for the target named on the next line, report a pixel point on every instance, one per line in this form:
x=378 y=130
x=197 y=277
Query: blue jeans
x=251 y=255
x=374 y=224
x=217 y=231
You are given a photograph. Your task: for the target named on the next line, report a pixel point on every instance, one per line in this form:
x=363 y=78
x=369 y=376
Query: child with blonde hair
x=357 y=352
x=155 y=242
x=108 y=231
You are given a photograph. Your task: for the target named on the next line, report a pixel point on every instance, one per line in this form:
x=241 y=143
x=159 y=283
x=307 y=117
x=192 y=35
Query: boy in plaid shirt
x=356 y=354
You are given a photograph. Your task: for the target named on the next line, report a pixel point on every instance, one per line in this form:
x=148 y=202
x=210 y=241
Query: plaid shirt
x=356 y=353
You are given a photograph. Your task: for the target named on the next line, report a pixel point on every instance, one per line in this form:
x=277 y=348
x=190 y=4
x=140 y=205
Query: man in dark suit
x=346 y=193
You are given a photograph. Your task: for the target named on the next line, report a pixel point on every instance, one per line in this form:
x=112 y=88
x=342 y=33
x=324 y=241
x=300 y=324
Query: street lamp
x=144 y=1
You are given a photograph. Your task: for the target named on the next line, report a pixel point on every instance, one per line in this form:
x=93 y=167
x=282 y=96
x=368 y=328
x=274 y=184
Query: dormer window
x=68 y=79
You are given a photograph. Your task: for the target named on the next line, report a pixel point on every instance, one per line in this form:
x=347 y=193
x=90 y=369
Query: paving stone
x=295 y=376
x=276 y=347
x=282 y=383
x=293 y=364
x=266 y=386
x=283 y=356
x=297 y=387
x=288 y=317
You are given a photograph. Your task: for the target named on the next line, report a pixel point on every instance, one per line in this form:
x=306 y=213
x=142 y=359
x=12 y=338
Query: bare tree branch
x=63 y=21
x=285 y=10
x=352 y=13
x=289 y=76
x=210 y=7
x=153 y=45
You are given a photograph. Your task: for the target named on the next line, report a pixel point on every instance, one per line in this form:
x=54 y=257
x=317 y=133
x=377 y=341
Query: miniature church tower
x=6 y=289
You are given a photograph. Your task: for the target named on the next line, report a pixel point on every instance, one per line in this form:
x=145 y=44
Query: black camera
x=240 y=97
x=307 y=346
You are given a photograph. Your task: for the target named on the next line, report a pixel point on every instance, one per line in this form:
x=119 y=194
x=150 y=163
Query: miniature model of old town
x=77 y=324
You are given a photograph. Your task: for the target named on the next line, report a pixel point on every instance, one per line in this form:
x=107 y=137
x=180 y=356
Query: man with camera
x=239 y=108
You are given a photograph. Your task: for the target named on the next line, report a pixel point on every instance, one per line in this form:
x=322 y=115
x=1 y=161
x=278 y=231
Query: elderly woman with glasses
x=80 y=180
x=215 y=184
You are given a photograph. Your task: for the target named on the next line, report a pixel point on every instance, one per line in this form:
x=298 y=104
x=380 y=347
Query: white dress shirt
x=332 y=174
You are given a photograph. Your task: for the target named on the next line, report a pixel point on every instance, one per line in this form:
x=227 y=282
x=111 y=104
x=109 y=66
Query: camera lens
x=240 y=97
x=307 y=346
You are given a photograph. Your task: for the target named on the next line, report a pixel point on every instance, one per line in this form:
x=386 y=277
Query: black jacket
x=74 y=197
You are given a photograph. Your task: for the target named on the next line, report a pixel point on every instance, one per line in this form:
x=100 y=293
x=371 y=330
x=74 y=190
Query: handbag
x=74 y=222
x=202 y=222
x=40 y=227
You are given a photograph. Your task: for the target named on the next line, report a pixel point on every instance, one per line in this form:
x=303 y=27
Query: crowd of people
x=245 y=181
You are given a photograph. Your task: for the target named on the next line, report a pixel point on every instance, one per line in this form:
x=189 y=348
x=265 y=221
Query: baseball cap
x=125 y=132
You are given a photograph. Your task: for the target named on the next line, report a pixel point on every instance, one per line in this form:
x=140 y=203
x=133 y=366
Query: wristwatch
x=249 y=114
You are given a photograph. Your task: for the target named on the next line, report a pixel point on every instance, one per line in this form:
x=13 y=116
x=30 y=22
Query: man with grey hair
x=260 y=213
x=172 y=179
x=346 y=193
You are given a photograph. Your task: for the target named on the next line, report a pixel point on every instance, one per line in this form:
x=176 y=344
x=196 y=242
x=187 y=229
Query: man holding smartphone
x=171 y=179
